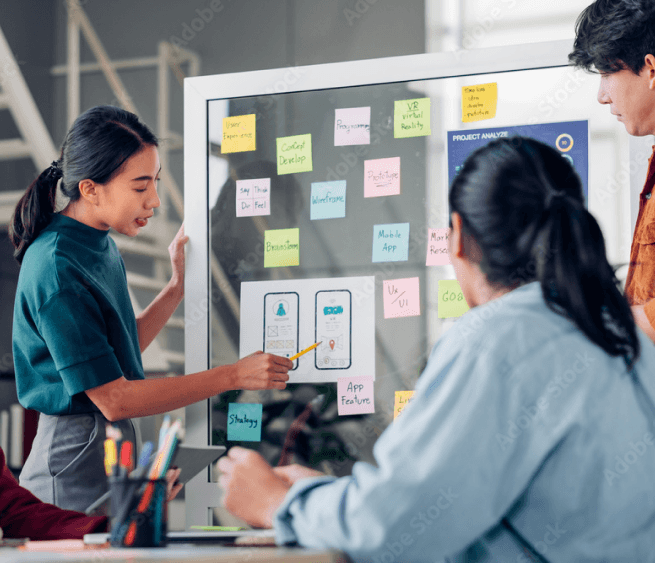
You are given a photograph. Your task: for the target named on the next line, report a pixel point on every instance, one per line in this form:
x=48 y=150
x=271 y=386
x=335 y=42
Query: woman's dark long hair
x=96 y=146
x=523 y=204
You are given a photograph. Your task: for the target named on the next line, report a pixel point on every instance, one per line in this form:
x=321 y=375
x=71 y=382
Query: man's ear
x=649 y=67
x=89 y=191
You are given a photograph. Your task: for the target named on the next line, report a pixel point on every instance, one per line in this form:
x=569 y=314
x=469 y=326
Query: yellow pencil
x=304 y=351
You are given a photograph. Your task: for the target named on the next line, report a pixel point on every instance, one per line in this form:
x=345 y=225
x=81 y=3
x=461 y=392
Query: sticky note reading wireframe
x=382 y=177
x=401 y=298
x=479 y=102
x=352 y=126
x=253 y=197
x=401 y=400
x=328 y=200
x=244 y=422
x=294 y=154
x=391 y=242
x=239 y=133
x=355 y=395
x=281 y=248
x=451 y=300
x=437 y=248
x=411 y=118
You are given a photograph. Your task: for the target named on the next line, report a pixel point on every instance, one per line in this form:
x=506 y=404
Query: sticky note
x=391 y=242
x=479 y=102
x=411 y=118
x=239 y=133
x=382 y=177
x=437 y=248
x=294 y=154
x=355 y=395
x=451 y=300
x=352 y=126
x=281 y=248
x=244 y=422
x=328 y=200
x=401 y=400
x=401 y=298
x=253 y=197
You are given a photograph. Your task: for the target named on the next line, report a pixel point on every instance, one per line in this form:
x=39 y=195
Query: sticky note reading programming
x=401 y=298
x=411 y=118
x=294 y=154
x=253 y=197
x=328 y=200
x=391 y=242
x=401 y=400
x=479 y=102
x=355 y=395
x=352 y=126
x=451 y=300
x=437 y=248
x=239 y=133
x=244 y=422
x=382 y=177
x=281 y=248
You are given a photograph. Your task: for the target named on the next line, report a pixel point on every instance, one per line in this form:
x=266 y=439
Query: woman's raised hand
x=262 y=371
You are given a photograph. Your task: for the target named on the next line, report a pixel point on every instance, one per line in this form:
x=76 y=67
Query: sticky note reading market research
x=479 y=102
x=253 y=197
x=328 y=200
x=411 y=118
x=451 y=300
x=382 y=177
x=437 y=248
x=401 y=298
x=355 y=395
x=352 y=126
x=244 y=422
x=281 y=248
x=239 y=133
x=294 y=154
x=391 y=242
x=401 y=400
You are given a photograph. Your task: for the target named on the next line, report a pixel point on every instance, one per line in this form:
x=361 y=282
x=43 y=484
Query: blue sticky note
x=391 y=242
x=244 y=422
x=328 y=200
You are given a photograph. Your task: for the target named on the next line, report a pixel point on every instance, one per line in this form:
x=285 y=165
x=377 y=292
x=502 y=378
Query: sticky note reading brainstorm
x=401 y=298
x=411 y=118
x=382 y=177
x=294 y=154
x=391 y=242
x=244 y=422
x=281 y=248
x=401 y=400
x=355 y=395
x=479 y=102
x=239 y=133
x=451 y=300
x=437 y=248
x=328 y=200
x=253 y=197
x=352 y=126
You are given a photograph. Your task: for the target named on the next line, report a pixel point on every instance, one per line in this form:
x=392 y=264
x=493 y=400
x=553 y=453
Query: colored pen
x=305 y=351
x=126 y=464
x=165 y=425
x=110 y=456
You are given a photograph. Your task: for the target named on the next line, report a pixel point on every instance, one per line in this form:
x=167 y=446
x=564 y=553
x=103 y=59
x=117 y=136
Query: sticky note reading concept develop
x=411 y=118
x=253 y=197
x=451 y=300
x=328 y=200
x=355 y=395
x=401 y=400
x=391 y=242
x=244 y=422
x=281 y=248
x=479 y=102
x=382 y=177
x=239 y=133
x=401 y=298
x=294 y=154
x=437 y=248
x=352 y=126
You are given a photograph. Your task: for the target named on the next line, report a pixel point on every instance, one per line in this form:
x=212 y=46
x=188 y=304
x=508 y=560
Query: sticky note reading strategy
x=451 y=300
x=437 y=248
x=328 y=200
x=401 y=298
x=244 y=422
x=294 y=154
x=239 y=133
x=352 y=126
x=382 y=177
x=411 y=118
x=281 y=248
x=253 y=197
x=401 y=400
x=391 y=242
x=355 y=395
x=479 y=102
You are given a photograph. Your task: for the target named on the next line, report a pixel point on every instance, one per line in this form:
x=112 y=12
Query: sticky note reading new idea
x=244 y=422
x=479 y=102
x=281 y=248
x=239 y=133
x=451 y=300
x=294 y=154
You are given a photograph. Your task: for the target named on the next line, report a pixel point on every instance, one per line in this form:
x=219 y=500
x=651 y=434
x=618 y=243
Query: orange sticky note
x=401 y=400
x=239 y=133
x=479 y=102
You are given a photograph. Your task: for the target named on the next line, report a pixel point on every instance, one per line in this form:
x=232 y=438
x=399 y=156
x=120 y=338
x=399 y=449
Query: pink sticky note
x=355 y=395
x=253 y=197
x=382 y=177
x=437 y=248
x=401 y=298
x=352 y=126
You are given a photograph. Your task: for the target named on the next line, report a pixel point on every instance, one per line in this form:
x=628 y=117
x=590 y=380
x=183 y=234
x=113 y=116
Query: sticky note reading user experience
x=294 y=154
x=401 y=400
x=244 y=422
x=239 y=133
x=253 y=197
x=352 y=126
x=391 y=242
x=401 y=298
x=382 y=177
x=451 y=300
x=328 y=200
x=479 y=102
x=437 y=248
x=281 y=248
x=355 y=395
x=411 y=118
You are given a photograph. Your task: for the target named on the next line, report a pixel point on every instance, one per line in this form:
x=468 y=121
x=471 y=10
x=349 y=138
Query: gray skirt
x=66 y=464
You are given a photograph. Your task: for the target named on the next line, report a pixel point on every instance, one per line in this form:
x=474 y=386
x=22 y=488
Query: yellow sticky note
x=239 y=133
x=451 y=300
x=281 y=248
x=294 y=154
x=479 y=102
x=411 y=118
x=400 y=401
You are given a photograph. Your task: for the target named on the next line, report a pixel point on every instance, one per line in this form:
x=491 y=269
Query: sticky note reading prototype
x=382 y=177
x=401 y=400
x=294 y=154
x=479 y=102
x=411 y=118
x=239 y=133
x=391 y=242
x=281 y=248
x=437 y=248
x=244 y=422
x=355 y=395
x=328 y=200
x=451 y=300
x=401 y=298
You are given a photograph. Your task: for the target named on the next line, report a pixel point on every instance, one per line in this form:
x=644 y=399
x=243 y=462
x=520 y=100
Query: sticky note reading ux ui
x=479 y=102
x=401 y=400
x=253 y=197
x=352 y=126
x=451 y=300
x=328 y=200
x=244 y=422
x=391 y=242
x=401 y=298
x=281 y=248
x=411 y=118
x=382 y=177
x=239 y=133
x=294 y=154
x=437 y=248
x=355 y=395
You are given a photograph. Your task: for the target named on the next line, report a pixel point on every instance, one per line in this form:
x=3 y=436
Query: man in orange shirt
x=616 y=38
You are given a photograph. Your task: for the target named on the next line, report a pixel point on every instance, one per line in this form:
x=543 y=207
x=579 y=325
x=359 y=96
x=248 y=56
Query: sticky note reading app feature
x=355 y=395
x=239 y=133
x=294 y=154
x=401 y=298
x=437 y=248
x=382 y=177
x=328 y=200
x=281 y=248
x=479 y=102
x=401 y=400
x=253 y=197
x=451 y=300
x=411 y=118
x=391 y=242
x=244 y=422
x=352 y=126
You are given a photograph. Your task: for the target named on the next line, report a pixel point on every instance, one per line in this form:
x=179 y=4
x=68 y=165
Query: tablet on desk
x=193 y=459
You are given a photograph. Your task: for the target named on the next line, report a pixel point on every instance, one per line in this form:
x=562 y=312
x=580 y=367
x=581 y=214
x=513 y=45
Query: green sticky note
x=281 y=248
x=294 y=154
x=411 y=118
x=451 y=300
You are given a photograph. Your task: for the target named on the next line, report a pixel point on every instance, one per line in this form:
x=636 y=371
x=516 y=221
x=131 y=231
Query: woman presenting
x=76 y=341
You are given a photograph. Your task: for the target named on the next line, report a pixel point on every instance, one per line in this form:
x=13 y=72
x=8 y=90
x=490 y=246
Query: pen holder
x=139 y=512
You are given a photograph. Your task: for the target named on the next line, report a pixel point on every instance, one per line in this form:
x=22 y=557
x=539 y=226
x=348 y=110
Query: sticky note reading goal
x=479 y=102
x=451 y=300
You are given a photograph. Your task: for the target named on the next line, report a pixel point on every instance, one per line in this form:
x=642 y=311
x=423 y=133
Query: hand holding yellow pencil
x=295 y=357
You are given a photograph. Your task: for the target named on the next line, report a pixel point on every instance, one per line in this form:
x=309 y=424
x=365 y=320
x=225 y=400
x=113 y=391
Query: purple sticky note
x=437 y=248
x=382 y=177
x=352 y=126
x=355 y=395
x=253 y=197
x=401 y=298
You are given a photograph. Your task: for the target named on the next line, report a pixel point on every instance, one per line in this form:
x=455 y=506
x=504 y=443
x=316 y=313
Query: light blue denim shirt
x=522 y=435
